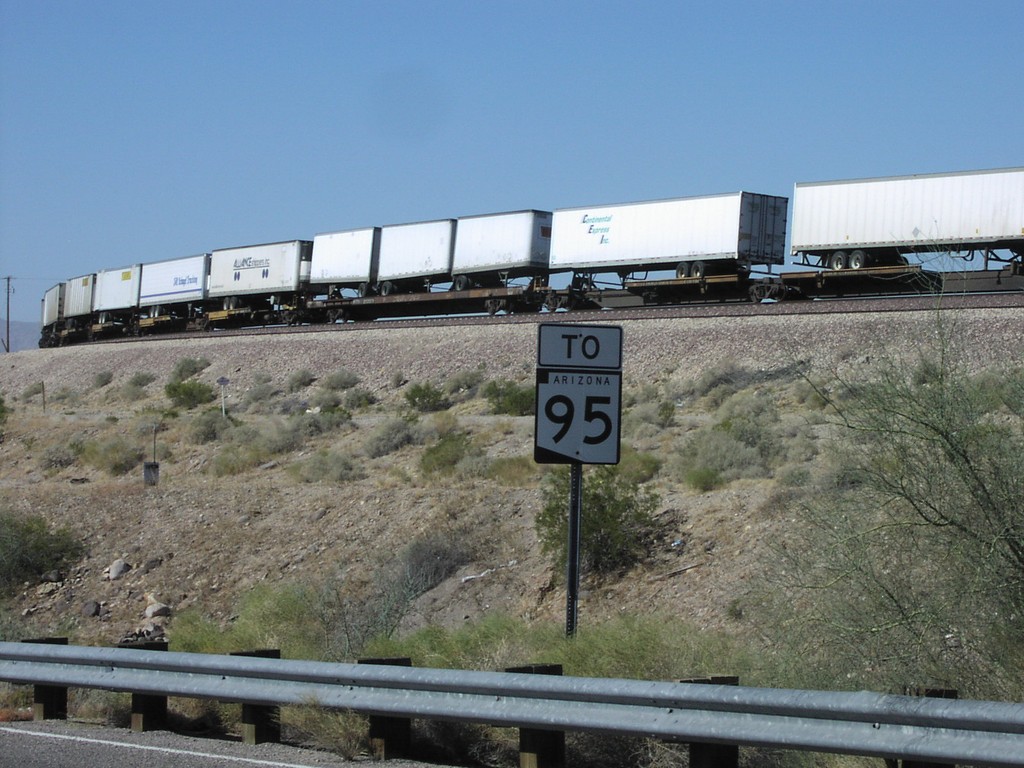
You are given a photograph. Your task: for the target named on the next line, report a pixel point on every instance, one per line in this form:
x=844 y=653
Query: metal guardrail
x=879 y=725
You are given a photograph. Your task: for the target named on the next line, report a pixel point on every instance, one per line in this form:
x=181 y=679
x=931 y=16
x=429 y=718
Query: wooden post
x=714 y=755
x=390 y=737
x=49 y=702
x=539 y=748
x=935 y=693
x=149 y=711
x=261 y=723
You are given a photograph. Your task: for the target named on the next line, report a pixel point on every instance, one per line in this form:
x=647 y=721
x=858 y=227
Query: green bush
x=356 y=399
x=703 y=479
x=617 y=525
x=32 y=390
x=442 y=457
x=210 y=425
x=57 y=457
x=113 y=455
x=389 y=437
x=512 y=471
x=101 y=379
x=28 y=548
x=4 y=410
x=189 y=394
x=510 y=398
x=340 y=379
x=141 y=379
x=426 y=398
x=326 y=466
x=464 y=383
x=300 y=380
x=188 y=367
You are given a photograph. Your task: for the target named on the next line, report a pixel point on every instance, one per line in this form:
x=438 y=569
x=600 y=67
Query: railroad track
x=859 y=305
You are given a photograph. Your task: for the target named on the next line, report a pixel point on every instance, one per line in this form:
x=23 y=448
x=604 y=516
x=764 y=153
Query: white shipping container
x=348 y=257
x=117 y=288
x=174 y=281
x=502 y=241
x=743 y=226
x=420 y=250
x=259 y=268
x=53 y=304
x=78 y=295
x=917 y=212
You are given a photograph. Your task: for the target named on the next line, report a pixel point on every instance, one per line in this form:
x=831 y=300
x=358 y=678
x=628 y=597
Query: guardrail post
x=390 y=737
x=149 y=712
x=935 y=693
x=714 y=755
x=539 y=748
x=260 y=723
x=49 y=702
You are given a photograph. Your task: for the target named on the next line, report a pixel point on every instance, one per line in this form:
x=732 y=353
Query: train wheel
x=858 y=259
x=837 y=260
x=683 y=269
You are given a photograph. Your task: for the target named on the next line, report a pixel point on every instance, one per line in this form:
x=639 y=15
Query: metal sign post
x=579 y=408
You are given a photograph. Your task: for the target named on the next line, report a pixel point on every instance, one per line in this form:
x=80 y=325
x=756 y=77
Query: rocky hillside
x=205 y=536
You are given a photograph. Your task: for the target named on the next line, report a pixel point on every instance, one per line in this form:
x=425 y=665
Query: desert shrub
x=246 y=446
x=258 y=397
x=299 y=380
x=4 y=410
x=210 y=425
x=326 y=466
x=358 y=398
x=325 y=400
x=340 y=379
x=29 y=548
x=651 y=417
x=703 y=479
x=464 y=383
x=637 y=466
x=389 y=437
x=618 y=519
x=721 y=453
x=426 y=398
x=442 y=457
x=188 y=367
x=113 y=455
x=352 y=615
x=101 y=379
x=141 y=379
x=320 y=423
x=510 y=398
x=723 y=379
x=189 y=394
x=57 y=457
x=32 y=390
x=512 y=471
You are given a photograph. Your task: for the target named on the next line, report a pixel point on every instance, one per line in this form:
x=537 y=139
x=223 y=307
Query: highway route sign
x=579 y=394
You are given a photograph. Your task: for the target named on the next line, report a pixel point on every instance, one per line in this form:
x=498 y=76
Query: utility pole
x=7 y=337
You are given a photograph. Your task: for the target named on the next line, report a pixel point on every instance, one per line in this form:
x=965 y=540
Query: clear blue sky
x=142 y=131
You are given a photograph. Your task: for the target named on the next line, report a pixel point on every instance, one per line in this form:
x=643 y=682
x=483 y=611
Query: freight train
x=716 y=246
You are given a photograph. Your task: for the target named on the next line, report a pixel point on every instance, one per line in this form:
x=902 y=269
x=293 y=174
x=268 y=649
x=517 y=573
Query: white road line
x=165 y=750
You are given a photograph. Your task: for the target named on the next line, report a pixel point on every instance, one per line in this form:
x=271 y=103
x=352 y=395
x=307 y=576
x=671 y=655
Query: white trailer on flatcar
x=492 y=248
x=413 y=256
x=346 y=259
x=174 y=281
x=271 y=269
x=692 y=235
x=858 y=222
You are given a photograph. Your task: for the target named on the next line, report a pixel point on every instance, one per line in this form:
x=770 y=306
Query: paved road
x=56 y=744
